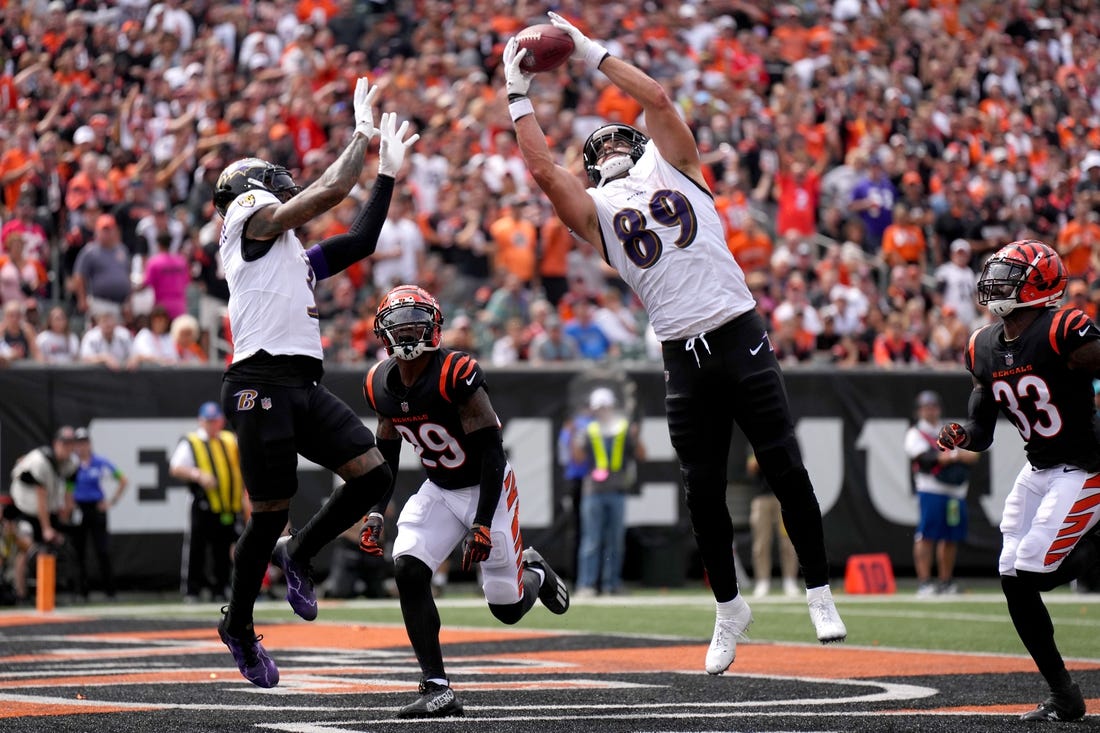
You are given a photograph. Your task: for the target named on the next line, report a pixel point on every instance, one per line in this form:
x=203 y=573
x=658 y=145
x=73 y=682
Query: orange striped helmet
x=1023 y=274
x=409 y=322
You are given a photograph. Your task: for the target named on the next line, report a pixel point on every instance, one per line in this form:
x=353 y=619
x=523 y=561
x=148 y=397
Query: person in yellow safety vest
x=611 y=447
x=208 y=461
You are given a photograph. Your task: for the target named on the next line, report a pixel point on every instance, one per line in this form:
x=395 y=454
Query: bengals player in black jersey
x=435 y=398
x=1035 y=366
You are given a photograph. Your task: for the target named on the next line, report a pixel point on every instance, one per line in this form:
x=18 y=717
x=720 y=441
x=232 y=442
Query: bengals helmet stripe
x=1022 y=274
x=409 y=322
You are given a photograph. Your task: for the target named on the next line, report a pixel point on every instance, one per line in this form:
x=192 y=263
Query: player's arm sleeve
x=391 y=451
x=489 y=443
x=337 y=253
x=982 y=409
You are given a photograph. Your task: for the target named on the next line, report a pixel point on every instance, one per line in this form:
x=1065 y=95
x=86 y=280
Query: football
x=547 y=47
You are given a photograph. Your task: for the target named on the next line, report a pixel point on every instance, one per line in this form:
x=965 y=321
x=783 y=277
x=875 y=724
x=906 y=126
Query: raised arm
x=566 y=192
x=663 y=122
x=332 y=186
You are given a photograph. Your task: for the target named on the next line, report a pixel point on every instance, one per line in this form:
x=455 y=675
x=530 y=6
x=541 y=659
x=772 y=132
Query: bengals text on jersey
x=1030 y=379
x=427 y=413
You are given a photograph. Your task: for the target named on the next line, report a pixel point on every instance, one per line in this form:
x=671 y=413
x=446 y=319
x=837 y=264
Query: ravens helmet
x=249 y=174
x=409 y=322
x=1023 y=274
x=615 y=137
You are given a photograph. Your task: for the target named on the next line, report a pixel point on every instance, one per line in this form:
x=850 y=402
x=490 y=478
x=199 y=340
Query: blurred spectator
x=894 y=346
x=553 y=345
x=399 y=256
x=1079 y=241
x=510 y=300
x=510 y=348
x=515 y=240
x=154 y=344
x=957 y=283
x=24 y=222
x=185 y=333
x=101 y=274
x=591 y=341
x=167 y=273
x=107 y=342
x=21 y=276
x=873 y=199
x=56 y=343
x=159 y=222
x=555 y=243
x=18 y=336
x=903 y=240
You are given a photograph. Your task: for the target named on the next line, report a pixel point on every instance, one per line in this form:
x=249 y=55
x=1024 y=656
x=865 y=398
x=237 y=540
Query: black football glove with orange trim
x=477 y=547
x=370 y=538
x=952 y=436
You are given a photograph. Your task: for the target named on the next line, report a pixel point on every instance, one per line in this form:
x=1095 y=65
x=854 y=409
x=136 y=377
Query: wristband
x=375 y=514
x=521 y=108
x=515 y=97
x=595 y=54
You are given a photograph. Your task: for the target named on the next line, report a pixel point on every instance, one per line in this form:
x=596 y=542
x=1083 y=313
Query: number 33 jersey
x=662 y=232
x=1030 y=379
x=426 y=414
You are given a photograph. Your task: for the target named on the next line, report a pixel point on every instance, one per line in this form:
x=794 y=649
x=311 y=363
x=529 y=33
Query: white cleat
x=729 y=626
x=823 y=613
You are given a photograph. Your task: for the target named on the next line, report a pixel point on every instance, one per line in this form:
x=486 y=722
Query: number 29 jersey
x=426 y=414
x=1030 y=379
x=663 y=234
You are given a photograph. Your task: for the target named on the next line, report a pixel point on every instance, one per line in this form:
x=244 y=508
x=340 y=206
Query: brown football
x=547 y=47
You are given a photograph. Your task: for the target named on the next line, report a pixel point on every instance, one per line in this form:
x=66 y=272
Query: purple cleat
x=299 y=586
x=251 y=657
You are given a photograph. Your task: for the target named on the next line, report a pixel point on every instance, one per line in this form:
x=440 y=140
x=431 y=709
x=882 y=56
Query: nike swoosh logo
x=1070 y=469
x=470 y=380
x=1083 y=331
x=756 y=351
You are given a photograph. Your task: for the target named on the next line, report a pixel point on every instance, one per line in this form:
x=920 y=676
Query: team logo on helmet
x=249 y=174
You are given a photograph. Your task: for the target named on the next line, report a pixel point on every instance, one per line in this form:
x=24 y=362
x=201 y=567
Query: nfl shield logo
x=1008 y=359
x=265 y=403
x=404 y=407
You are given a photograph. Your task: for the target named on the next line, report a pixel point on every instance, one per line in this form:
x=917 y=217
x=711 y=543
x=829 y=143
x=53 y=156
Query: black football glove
x=370 y=539
x=477 y=547
x=952 y=436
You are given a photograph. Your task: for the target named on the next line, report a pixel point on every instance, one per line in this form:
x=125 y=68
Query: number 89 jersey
x=426 y=414
x=1049 y=403
x=662 y=233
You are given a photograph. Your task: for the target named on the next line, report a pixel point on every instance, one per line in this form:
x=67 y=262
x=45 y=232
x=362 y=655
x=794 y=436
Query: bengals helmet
x=633 y=144
x=249 y=174
x=409 y=322
x=1023 y=274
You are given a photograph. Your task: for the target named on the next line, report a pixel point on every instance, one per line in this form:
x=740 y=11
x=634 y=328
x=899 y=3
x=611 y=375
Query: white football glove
x=392 y=145
x=584 y=48
x=363 y=102
x=516 y=80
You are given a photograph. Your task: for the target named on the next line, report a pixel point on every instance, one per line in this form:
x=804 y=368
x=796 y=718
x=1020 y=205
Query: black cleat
x=435 y=701
x=1062 y=706
x=553 y=593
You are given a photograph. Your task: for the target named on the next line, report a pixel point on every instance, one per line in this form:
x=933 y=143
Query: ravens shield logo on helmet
x=249 y=174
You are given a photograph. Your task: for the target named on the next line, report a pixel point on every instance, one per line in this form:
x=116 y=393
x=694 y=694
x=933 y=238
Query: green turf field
x=976 y=621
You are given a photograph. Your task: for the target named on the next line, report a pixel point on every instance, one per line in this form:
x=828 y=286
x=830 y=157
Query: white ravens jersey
x=663 y=235
x=271 y=304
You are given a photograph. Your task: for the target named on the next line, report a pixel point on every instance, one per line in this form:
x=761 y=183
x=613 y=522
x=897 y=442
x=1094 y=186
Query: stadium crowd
x=866 y=155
